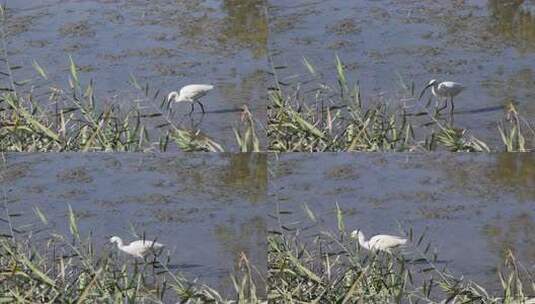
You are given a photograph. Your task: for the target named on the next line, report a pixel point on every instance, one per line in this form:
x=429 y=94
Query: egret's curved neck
x=172 y=96
x=434 y=89
x=362 y=241
x=119 y=243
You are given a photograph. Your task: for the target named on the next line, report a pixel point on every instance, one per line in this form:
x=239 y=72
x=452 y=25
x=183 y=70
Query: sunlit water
x=489 y=46
x=474 y=208
x=165 y=43
x=206 y=209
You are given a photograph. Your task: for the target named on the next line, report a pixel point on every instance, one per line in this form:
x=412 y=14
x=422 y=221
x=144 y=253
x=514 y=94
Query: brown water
x=473 y=207
x=489 y=46
x=165 y=43
x=206 y=208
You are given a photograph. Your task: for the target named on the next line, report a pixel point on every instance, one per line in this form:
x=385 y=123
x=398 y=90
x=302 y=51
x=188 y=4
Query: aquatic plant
x=28 y=125
x=510 y=129
x=41 y=267
x=335 y=118
x=330 y=267
x=246 y=136
x=72 y=119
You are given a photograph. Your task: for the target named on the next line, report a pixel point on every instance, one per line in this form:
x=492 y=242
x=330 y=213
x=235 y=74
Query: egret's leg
x=445 y=106
x=451 y=111
x=435 y=108
x=429 y=103
x=202 y=107
x=192 y=108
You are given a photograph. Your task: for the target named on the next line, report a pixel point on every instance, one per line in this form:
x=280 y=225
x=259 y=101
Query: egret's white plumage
x=445 y=89
x=138 y=248
x=380 y=242
x=191 y=93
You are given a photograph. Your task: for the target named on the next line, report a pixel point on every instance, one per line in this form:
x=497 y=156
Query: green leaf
x=340 y=218
x=40 y=214
x=40 y=70
x=306 y=125
x=309 y=212
x=72 y=223
x=40 y=275
x=303 y=269
x=309 y=66
x=74 y=71
x=36 y=124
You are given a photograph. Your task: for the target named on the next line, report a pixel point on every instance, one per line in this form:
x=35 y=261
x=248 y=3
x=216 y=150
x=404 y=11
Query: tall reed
x=330 y=267
x=325 y=117
x=42 y=267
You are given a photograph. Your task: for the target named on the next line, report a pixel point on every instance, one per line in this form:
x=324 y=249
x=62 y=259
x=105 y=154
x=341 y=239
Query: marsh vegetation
x=37 y=266
x=334 y=117
x=74 y=118
x=330 y=267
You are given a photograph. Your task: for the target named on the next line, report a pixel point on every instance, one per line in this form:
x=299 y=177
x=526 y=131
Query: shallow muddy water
x=166 y=43
x=206 y=209
x=489 y=46
x=473 y=207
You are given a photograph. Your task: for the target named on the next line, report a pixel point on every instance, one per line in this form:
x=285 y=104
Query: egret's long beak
x=423 y=91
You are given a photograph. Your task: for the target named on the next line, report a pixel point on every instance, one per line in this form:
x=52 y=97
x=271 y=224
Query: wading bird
x=191 y=93
x=445 y=89
x=137 y=248
x=381 y=242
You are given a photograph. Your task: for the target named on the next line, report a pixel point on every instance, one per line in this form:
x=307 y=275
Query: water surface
x=165 y=43
x=206 y=209
x=489 y=46
x=474 y=208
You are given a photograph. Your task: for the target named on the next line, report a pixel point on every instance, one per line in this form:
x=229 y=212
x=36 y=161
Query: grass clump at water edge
x=326 y=117
x=330 y=267
x=68 y=269
x=74 y=119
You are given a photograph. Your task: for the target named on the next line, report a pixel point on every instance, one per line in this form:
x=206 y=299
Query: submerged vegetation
x=331 y=268
x=35 y=268
x=335 y=118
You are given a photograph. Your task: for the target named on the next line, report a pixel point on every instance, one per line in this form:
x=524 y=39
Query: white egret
x=445 y=89
x=138 y=248
x=381 y=242
x=191 y=93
